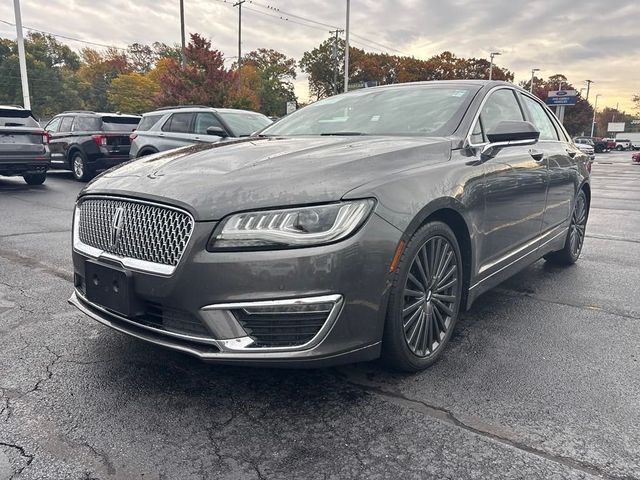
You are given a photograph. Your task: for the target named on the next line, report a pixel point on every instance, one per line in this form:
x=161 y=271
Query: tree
x=96 y=74
x=133 y=92
x=319 y=65
x=51 y=66
x=276 y=72
x=203 y=80
x=578 y=117
x=385 y=69
x=636 y=101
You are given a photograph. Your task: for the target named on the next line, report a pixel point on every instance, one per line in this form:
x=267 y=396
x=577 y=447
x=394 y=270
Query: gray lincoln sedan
x=359 y=226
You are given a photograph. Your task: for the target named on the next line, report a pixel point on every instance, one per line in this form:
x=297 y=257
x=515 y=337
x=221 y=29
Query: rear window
x=17 y=118
x=244 y=124
x=147 y=122
x=120 y=124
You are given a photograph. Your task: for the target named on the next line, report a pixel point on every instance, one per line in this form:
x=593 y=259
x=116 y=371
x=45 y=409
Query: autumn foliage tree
x=325 y=67
x=203 y=80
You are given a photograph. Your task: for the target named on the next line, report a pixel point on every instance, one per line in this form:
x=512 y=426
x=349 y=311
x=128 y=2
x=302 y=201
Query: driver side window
x=500 y=106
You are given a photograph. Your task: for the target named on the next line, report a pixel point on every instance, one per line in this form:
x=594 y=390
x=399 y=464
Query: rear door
x=60 y=139
x=515 y=188
x=559 y=157
x=177 y=131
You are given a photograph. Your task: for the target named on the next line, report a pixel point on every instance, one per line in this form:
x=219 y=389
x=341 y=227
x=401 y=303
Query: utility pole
x=346 y=50
x=492 y=54
x=335 y=60
x=589 y=82
x=239 y=5
x=595 y=109
x=533 y=73
x=26 y=102
x=184 y=46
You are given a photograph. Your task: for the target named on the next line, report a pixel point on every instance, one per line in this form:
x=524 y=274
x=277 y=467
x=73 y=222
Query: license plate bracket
x=109 y=287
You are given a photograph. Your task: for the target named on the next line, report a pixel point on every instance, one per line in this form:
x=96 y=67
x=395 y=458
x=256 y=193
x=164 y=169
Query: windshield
x=403 y=110
x=244 y=124
x=120 y=124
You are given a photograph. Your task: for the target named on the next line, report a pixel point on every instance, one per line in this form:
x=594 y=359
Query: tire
x=146 y=153
x=81 y=171
x=35 y=178
x=619 y=148
x=414 y=337
x=575 y=236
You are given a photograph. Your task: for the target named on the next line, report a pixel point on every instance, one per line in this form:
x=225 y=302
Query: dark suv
x=85 y=142
x=23 y=145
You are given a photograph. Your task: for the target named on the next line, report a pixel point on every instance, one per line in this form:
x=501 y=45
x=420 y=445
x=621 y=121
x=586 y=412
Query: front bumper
x=354 y=272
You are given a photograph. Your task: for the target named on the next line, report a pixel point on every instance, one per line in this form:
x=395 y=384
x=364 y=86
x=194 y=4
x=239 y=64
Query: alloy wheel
x=78 y=166
x=430 y=296
x=578 y=226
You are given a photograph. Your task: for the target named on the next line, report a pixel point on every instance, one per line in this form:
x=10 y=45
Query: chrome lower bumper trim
x=200 y=346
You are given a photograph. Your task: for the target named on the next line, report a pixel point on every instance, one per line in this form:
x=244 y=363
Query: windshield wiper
x=342 y=133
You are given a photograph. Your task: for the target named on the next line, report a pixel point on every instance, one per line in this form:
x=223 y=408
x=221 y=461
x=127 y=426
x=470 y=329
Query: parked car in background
x=360 y=225
x=173 y=127
x=86 y=142
x=599 y=145
x=24 y=145
x=587 y=148
x=623 y=144
x=610 y=142
x=634 y=139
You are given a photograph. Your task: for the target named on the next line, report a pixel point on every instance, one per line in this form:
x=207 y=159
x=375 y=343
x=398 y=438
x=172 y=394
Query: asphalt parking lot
x=541 y=380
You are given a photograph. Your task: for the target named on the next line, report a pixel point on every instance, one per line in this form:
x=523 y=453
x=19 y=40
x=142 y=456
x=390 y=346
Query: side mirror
x=510 y=134
x=217 y=131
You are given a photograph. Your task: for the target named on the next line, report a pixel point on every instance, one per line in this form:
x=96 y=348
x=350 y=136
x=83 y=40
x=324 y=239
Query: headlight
x=294 y=227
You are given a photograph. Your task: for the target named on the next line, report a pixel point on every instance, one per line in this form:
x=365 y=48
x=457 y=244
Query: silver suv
x=173 y=127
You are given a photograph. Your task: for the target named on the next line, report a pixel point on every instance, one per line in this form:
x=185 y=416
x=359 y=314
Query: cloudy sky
x=581 y=38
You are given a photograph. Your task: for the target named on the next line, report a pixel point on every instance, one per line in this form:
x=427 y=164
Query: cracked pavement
x=541 y=379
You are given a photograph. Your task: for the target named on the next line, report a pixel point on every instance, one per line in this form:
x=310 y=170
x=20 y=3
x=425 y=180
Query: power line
x=66 y=37
x=333 y=27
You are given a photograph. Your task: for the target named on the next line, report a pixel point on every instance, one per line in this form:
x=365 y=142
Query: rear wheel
x=35 y=178
x=575 y=237
x=425 y=299
x=79 y=167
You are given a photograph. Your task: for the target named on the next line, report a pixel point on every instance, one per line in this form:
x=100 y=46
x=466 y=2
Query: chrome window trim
x=477 y=114
x=127 y=262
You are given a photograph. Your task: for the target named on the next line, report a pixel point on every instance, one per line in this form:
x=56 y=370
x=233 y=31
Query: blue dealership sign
x=562 y=97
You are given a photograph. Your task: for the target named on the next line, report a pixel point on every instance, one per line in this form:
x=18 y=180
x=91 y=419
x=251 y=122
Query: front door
x=515 y=189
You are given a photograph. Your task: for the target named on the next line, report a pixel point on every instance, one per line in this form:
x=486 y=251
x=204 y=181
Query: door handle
x=536 y=155
x=196 y=138
x=571 y=153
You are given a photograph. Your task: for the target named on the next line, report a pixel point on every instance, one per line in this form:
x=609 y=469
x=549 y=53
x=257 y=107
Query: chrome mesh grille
x=151 y=233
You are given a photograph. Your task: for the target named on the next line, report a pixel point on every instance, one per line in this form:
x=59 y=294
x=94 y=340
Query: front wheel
x=575 y=236
x=35 y=178
x=425 y=299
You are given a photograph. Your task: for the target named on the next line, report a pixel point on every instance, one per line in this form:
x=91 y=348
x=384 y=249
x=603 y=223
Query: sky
x=583 y=39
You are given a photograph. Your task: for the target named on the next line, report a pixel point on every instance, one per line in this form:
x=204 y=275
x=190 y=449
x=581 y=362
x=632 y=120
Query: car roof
x=98 y=114
x=195 y=108
x=12 y=107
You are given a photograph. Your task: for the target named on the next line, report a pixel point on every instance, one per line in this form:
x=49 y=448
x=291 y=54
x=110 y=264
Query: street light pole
x=346 y=49
x=22 y=57
x=533 y=72
x=239 y=5
x=184 y=47
x=595 y=109
x=492 y=54
x=589 y=82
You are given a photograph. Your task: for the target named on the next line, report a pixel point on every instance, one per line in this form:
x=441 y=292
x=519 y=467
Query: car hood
x=214 y=180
